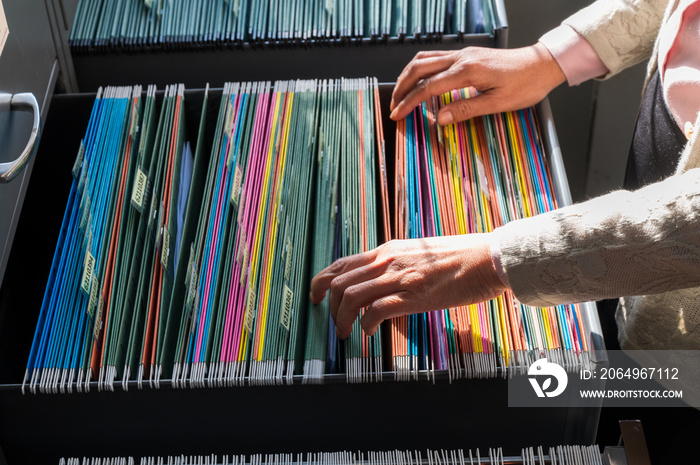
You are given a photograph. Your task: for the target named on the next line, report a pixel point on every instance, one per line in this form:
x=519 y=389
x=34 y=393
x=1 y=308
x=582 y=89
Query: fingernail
x=393 y=114
x=445 y=117
x=337 y=333
x=316 y=298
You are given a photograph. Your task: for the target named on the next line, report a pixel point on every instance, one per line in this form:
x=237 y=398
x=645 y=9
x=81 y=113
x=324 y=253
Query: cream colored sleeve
x=622 y=32
x=620 y=244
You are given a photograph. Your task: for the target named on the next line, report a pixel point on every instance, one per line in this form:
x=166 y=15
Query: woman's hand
x=408 y=276
x=507 y=79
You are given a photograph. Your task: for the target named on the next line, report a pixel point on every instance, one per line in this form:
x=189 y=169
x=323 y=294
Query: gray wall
x=594 y=120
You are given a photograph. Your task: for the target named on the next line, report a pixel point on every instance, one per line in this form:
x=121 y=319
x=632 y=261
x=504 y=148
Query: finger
x=431 y=53
x=357 y=296
x=482 y=104
x=423 y=90
x=417 y=69
x=322 y=281
x=382 y=309
x=464 y=109
x=341 y=284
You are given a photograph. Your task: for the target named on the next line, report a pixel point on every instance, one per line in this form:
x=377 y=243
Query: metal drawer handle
x=23 y=101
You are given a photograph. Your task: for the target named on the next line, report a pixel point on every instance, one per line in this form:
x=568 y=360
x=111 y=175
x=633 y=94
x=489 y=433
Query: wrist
x=480 y=270
x=549 y=69
x=497 y=264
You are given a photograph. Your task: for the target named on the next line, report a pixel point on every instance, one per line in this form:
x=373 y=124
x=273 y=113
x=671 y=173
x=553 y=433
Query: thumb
x=464 y=109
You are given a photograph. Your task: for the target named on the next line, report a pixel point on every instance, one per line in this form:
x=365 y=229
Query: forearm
x=623 y=243
x=622 y=32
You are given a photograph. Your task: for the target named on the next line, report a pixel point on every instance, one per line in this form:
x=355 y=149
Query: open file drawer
x=167 y=421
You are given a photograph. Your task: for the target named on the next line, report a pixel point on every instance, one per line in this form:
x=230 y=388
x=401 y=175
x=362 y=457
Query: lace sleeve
x=622 y=32
x=623 y=243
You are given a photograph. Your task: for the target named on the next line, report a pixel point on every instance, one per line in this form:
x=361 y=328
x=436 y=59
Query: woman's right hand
x=507 y=79
x=408 y=276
